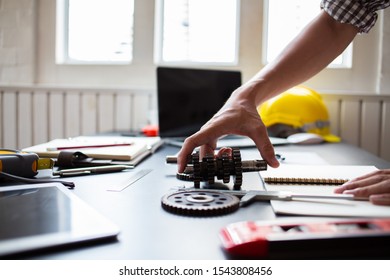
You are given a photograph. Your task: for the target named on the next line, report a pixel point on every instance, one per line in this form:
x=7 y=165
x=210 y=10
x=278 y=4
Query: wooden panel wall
x=29 y=116
x=362 y=120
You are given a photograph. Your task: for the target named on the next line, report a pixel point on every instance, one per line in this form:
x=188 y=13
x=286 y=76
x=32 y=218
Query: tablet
x=44 y=216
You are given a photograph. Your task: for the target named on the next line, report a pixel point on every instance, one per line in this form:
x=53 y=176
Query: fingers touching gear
x=221 y=167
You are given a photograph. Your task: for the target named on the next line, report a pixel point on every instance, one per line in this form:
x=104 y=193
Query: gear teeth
x=184 y=177
x=196 y=166
x=210 y=171
x=237 y=169
x=200 y=203
x=225 y=168
x=221 y=168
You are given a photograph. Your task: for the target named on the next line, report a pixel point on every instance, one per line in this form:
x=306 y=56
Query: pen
x=90 y=170
x=87 y=146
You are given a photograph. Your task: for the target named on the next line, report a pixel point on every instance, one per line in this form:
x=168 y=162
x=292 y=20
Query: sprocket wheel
x=200 y=203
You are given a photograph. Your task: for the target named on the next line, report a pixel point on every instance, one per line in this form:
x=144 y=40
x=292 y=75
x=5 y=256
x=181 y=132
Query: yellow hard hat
x=301 y=108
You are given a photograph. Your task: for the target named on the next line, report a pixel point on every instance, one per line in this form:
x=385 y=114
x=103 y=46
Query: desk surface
x=149 y=232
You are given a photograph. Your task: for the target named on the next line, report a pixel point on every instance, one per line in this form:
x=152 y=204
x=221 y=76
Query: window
x=296 y=13
x=94 y=31
x=197 y=31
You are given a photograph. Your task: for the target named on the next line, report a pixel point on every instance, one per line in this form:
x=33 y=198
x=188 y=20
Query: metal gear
x=222 y=167
x=210 y=169
x=225 y=168
x=237 y=168
x=200 y=203
x=196 y=176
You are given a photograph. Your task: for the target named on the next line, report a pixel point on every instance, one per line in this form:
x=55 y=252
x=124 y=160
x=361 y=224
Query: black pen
x=91 y=170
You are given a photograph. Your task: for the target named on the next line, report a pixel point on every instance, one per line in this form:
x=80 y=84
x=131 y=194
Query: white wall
x=384 y=84
x=17 y=41
x=27 y=52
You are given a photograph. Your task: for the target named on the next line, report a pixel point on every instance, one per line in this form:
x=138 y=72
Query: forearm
x=310 y=52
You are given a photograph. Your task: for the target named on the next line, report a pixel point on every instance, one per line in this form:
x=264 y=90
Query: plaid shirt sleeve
x=359 y=13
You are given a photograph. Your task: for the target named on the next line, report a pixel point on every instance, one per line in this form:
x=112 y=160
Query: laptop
x=188 y=98
x=47 y=216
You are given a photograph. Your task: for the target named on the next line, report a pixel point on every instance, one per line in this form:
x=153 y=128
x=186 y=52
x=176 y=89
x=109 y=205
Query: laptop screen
x=188 y=98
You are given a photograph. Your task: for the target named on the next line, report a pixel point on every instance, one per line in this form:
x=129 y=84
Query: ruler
x=133 y=178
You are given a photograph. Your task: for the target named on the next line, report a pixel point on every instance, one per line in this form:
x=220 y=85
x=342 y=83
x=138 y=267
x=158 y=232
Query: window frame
x=158 y=41
x=367 y=55
x=347 y=54
x=62 y=40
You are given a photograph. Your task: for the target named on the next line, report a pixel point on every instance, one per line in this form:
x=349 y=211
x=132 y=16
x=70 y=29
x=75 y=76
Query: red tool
x=282 y=239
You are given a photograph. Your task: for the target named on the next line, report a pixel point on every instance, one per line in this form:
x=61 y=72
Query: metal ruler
x=134 y=178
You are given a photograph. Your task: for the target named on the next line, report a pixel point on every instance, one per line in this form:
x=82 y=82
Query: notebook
x=43 y=216
x=116 y=148
x=319 y=180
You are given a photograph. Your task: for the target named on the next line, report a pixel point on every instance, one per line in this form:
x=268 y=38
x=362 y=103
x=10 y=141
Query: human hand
x=374 y=185
x=238 y=116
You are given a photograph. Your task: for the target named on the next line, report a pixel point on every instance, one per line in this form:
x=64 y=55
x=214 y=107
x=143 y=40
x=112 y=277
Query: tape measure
x=22 y=164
